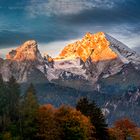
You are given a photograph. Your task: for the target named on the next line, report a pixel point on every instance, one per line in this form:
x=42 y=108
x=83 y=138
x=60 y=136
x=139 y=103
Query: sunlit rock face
x=24 y=64
x=96 y=56
x=100 y=56
x=27 y=51
x=95 y=46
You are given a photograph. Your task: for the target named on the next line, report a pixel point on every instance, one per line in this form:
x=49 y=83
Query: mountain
x=126 y=105
x=86 y=63
x=97 y=66
x=23 y=64
x=95 y=57
x=26 y=52
x=95 y=46
x=99 y=47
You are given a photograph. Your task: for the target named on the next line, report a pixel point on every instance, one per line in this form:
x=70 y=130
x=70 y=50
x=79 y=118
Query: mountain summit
x=99 y=47
x=23 y=63
x=27 y=51
x=95 y=46
x=95 y=57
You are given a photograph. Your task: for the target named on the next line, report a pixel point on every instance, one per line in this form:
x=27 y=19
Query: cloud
x=15 y=7
x=127 y=34
x=53 y=48
x=61 y=20
x=131 y=40
x=11 y=38
x=67 y=7
x=45 y=35
x=5 y=51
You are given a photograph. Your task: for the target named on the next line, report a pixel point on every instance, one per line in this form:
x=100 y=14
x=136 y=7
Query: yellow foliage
x=53 y=122
x=7 y=136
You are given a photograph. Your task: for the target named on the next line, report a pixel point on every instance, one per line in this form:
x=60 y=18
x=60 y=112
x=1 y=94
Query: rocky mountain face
x=95 y=46
x=92 y=60
x=23 y=64
x=26 y=52
x=96 y=57
x=98 y=66
x=126 y=105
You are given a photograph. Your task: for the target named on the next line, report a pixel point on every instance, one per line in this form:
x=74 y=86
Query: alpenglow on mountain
x=95 y=46
x=97 y=66
x=95 y=57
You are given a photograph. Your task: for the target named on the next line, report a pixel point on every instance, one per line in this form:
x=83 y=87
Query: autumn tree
x=47 y=125
x=124 y=129
x=64 y=123
x=90 y=109
x=75 y=125
x=7 y=136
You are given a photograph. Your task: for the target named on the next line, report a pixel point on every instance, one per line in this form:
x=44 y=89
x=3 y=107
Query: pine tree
x=3 y=105
x=13 y=97
x=9 y=106
x=96 y=117
x=13 y=101
x=28 y=114
x=2 y=96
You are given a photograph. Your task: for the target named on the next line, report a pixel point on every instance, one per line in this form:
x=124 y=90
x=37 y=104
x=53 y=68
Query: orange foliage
x=53 y=123
x=125 y=124
x=123 y=129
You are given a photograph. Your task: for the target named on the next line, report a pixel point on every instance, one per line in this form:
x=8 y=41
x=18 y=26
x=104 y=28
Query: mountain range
x=97 y=66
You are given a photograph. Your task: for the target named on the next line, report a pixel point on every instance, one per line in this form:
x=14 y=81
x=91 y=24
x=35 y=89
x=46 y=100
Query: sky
x=55 y=23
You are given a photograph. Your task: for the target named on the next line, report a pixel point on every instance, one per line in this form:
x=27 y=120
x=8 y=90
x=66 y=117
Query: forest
x=23 y=118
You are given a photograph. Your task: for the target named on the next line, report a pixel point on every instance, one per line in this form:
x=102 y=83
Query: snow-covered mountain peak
x=96 y=56
x=124 y=52
x=100 y=47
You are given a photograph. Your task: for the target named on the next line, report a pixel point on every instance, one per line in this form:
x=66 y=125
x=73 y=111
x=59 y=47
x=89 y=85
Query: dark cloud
x=48 y=21
x=11 y=38
x=128 y=12
x=8 y=38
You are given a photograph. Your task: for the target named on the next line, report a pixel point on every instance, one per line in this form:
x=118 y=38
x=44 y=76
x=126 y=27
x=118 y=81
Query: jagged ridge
x=95 y=46
x=27 y=51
